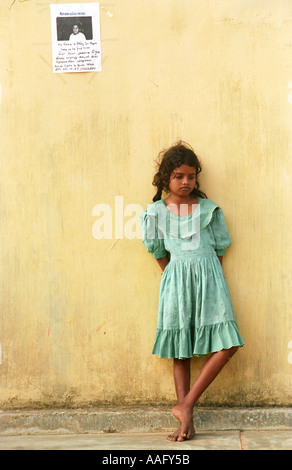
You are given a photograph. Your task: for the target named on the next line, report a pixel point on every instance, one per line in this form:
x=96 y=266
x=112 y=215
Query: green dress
x=195 y=313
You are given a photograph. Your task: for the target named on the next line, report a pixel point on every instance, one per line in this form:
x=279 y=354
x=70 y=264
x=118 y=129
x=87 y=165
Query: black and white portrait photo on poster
x=76 y=38
x=74 y=28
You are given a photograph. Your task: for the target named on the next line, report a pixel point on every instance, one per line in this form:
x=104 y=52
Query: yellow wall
x=78 y=315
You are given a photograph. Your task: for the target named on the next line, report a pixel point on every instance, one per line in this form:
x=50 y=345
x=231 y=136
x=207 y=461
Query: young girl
x=186 y=233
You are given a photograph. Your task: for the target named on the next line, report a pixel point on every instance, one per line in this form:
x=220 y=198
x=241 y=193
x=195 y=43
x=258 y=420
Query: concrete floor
x=204 y=440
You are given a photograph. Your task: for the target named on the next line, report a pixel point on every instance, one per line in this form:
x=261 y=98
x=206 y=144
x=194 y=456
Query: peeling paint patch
x=108 y=13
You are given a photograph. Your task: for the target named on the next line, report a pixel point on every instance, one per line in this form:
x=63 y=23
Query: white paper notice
x=76 y=38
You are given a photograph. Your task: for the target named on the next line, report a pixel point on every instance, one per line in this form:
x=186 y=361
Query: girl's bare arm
x=163 y=262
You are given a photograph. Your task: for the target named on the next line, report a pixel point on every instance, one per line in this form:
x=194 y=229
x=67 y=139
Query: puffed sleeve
x=153 y=243
x=220 y=232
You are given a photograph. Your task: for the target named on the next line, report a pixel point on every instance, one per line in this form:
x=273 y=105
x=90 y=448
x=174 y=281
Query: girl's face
x=182 y=180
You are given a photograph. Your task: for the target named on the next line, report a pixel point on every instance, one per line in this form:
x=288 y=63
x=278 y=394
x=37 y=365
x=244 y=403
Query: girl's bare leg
x=184 y=409
x=182 y=376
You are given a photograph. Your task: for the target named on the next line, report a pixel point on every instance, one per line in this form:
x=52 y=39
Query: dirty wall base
x=138 y=419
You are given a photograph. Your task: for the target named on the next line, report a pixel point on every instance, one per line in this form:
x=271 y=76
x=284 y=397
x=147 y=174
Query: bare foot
x=185 y=416
x=174 y=436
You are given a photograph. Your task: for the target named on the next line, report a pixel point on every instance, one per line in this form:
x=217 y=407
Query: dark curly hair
x=171 y=158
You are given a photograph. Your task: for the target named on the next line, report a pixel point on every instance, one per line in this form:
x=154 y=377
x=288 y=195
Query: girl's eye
x=191 y=177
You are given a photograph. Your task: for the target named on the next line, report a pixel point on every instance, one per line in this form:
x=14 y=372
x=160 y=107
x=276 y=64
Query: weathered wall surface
x=78 y=315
